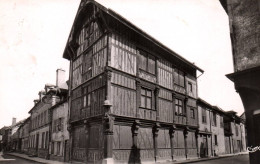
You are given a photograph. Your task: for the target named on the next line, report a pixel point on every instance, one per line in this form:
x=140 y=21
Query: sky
x=33 y=35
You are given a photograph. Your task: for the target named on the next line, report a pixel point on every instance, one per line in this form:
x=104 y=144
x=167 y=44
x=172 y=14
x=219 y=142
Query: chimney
x=13 y=121
x=60 y=78
x=41 y=94
x=35 y=101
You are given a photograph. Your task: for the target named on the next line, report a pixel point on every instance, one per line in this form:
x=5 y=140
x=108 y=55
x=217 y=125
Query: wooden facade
x=131 y=98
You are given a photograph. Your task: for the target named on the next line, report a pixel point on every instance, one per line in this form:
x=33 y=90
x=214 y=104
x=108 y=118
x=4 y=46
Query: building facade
x=132 y=99
x=235 y=140
x=59 y=132
x=41 y=117
x=24 y=136
x=211 y=130
x=244 y=23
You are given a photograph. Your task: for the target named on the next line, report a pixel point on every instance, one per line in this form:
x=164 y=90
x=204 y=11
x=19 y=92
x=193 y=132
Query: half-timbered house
x=131 y=98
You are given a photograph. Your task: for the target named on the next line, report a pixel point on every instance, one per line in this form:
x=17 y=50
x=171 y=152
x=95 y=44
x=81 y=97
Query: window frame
x=214 y=119
x=178 y=81
x=216 y=139
x=192 y=114
x=204 y=111
x=146 y=97
x=177 y=111
x=148 y=57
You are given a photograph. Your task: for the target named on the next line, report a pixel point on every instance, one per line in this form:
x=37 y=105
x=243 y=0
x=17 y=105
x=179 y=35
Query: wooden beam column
x=86 y=125
x=185 y=133
x=155 y=136
x=108 y=122
x=171 y=133
x=135 y=128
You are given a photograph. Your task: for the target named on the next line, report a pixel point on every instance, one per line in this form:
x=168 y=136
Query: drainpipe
x=211 y=144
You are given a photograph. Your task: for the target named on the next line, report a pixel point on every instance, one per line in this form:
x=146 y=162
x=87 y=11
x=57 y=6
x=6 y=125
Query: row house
x=211 y=130
x=131 y=98
x=220 y=132
x=59 y=133
x=24 y=136
x=235 y=134
x=40 y=119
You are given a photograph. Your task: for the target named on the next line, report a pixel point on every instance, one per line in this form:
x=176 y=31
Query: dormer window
x=178 y=77
x=146 y=62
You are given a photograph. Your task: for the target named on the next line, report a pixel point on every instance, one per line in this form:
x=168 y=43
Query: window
x=58 y=148
x=192 y=113
x=204 y=115
x=189 y=86
x=178 y=77
x=179 y=107
x=221 y=122
x=216 y=139
x=146 y=62
x=146 y=98
x=236 y=130
x=214 y=123
x=47 y=140
x=43 y=140
x=52 y=147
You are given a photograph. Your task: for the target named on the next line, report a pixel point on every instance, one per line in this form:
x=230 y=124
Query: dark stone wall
x=244 y=21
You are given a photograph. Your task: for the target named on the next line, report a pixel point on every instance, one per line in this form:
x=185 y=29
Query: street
x=16 y=160
x=238 y=159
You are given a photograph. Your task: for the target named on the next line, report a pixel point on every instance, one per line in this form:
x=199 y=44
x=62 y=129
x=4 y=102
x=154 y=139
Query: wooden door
x=37 y=142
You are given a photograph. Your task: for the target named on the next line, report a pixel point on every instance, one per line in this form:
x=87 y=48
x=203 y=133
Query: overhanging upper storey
x=93 y=20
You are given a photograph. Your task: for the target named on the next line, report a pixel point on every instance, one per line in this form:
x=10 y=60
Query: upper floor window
x=216 y=139
x=192 y=113
x=204 y=116
x=190 y=87
x=179 y=107
x=146 y=62
x=146 y=98
x=236 y=130
x=179 y=77
x=221 y=122
x=214 y=121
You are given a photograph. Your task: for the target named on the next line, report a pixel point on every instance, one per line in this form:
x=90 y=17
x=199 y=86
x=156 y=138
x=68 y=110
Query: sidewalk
x=209 y=158
x=41 y=160
x=36 y=159
x=2 y=159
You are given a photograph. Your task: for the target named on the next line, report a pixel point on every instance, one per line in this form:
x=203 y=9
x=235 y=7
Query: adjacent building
x=59 y=132
x=211 y=140
x=132 y=99
x=40 y=119
x=235 y=140
x=24 y=136
x=244 y=23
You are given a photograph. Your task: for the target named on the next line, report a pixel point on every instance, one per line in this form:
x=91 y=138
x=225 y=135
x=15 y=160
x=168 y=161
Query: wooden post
x=185 y=133
x=69 y=128
x=197 y=145
x=174 y=110
x=186 y=112
x=156 y=92
x=108 y=122
x=155 y=136
x=171 y=133
x=86 y=125
x=134 y=129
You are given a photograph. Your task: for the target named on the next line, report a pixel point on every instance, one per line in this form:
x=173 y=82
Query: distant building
x=59 y=132
x=24 y=135
x=211 y=140
x=40 y=120
x=235 y=140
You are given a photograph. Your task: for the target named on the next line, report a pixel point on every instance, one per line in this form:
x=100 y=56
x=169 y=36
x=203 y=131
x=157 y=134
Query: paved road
x=239 y=159
x=16 y=161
